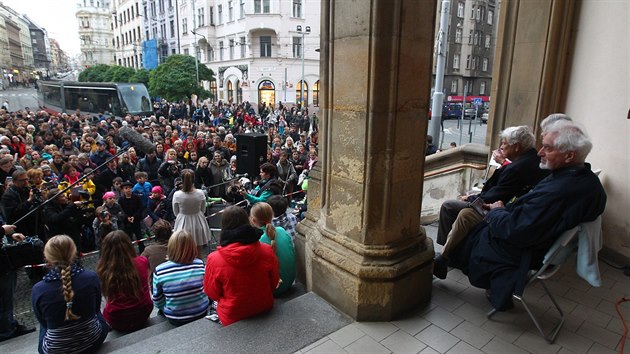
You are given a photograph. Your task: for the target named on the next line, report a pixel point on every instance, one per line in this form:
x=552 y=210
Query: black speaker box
x=251 y=152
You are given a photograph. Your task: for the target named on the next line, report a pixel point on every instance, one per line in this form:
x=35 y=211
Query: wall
x=598 y=97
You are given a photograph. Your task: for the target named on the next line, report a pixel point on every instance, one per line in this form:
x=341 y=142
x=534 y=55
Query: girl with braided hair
x=124 y=279
x=278 y=238
x=67 y=302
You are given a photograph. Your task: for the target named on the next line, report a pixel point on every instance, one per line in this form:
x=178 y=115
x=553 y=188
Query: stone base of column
x=369 y=283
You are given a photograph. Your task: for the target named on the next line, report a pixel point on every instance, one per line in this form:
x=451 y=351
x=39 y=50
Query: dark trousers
x=134 y=230
x=8 y=324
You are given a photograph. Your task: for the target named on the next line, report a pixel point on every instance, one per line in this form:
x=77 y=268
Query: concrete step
x=22 y=344
x=289 y=327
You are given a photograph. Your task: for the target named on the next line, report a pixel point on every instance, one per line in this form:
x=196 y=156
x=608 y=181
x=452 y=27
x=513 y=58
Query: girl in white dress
x=189 y=207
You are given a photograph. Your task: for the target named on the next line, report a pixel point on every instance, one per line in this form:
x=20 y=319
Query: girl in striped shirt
x=178 y=283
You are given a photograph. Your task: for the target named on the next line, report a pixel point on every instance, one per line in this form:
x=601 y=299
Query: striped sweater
x=178 y=290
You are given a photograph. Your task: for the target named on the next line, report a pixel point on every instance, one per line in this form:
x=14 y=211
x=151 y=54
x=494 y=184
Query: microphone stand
x=224 y=182
x=122 y=151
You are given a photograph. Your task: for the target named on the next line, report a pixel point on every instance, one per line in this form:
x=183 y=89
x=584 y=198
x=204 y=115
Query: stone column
x=532 y=62
x=365 y=250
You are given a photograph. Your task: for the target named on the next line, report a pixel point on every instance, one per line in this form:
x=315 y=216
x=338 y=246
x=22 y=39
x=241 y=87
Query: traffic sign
x=477 y=102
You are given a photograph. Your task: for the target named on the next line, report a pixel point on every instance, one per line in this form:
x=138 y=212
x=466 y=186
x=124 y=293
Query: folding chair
x=557 y=255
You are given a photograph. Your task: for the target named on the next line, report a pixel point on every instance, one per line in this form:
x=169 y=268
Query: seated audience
x=178 y=283
x=279 y=240
x=514 y=238
x=243 y=272
x=67 y=302
x=124 y=282
x=281 y=218
x=156 y=253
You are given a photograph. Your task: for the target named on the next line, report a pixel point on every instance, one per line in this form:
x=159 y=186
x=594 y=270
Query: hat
x=233 y=158
x=108 y=195
x=156 y=189
x=45 y=168
x=125 y=184
x=100 y=142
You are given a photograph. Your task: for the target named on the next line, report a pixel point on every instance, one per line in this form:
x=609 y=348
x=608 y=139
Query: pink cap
x=108 y=195
x=156 y=189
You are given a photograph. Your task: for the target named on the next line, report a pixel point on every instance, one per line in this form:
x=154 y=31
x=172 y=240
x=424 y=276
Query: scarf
x=55 y=274
x=245 y=234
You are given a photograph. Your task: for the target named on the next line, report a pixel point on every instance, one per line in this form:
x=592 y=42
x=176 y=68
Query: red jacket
x=241 y=278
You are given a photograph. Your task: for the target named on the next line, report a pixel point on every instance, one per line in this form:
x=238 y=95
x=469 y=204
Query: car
x=469 y=113
x=484 y=118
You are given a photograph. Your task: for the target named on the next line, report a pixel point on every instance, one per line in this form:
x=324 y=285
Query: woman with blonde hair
x=280 y=241
x=169 y=170
x=124 y=282
x=67 y=302
x=178 y=283
x=189 y=207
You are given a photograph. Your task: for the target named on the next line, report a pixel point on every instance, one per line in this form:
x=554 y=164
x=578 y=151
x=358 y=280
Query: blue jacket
x=499 y=252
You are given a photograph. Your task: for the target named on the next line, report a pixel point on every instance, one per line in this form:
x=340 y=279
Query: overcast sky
x=56 y=16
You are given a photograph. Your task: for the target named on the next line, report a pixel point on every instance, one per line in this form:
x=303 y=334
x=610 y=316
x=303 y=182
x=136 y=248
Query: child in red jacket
x=243 y=273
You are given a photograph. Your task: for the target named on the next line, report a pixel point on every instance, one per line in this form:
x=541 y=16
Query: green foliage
x=120 y=74
x=176 y=79
x=113 y=73
x=141 y=75
x=96 y=73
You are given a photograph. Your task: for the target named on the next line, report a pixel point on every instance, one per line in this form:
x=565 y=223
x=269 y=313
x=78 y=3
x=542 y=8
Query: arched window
x=267 y=93
x=316 y=94
x=239 y=92
x=230 y=91
x=298 y=94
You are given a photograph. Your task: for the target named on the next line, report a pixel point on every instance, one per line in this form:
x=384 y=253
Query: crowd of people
x=77 y=184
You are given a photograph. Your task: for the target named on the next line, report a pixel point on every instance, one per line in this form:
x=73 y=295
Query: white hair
x=552 y=118
x=570 y=136
x=521 y=135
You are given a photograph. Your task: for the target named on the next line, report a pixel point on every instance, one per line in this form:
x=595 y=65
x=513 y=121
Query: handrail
x=455 y=167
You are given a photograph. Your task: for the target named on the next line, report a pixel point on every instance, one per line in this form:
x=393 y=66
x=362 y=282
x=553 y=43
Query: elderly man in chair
x=514 y=238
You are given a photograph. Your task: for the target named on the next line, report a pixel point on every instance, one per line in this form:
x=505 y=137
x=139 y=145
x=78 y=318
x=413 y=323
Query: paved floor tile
x=464 y=348
x=313 y=345
x=366 y=345
x=600 y=349
x=591 y=315
x=412 y=325
x=437 y=338
x=402 y=342
x=573 y=342
x=504 y=326
x=445 y=300
x=472 y=334
x=429 y=350
x=571 y=322
x=451 y=286
x=377 y=330
x=534 y=343
x=328 y=347
x=443 y=319
x=471 y=314
x=583 y=297
x=605 y=294
x=598 y=334
x=499 y=346
x=346 y=335
x=476 y=297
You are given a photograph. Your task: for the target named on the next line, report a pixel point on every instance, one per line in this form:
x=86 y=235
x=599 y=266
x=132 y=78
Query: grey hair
x=521 y=135
x=552 y=118
x=570 y=136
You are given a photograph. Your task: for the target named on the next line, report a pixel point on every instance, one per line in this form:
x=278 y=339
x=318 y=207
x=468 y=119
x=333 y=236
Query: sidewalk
x=455 y=320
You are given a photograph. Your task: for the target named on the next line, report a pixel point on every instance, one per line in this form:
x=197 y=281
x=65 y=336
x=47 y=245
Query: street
x=452 y=132
x=19 y=98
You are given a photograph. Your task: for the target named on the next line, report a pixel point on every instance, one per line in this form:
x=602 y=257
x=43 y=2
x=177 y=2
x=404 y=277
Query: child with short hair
x=281 y=218
x=142 y=188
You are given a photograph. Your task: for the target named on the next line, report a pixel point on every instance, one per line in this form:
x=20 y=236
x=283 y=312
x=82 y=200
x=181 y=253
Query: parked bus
x=118 y=99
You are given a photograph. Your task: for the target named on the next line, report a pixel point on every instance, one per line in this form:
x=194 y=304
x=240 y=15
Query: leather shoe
x=440 y=266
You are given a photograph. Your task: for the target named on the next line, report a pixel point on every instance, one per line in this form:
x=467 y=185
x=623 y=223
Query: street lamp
x=307 y=30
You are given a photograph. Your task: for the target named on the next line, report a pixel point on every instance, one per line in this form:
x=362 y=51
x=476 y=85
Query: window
x=220 y=14
x=145 y=12
x=474 y=63
x=242 y=43
x=468 y=62
x=172 y=26
x=262 y=6
x=266 y=6
x=242 y=8
x=482 y=88
x=230 y=11
x=484 y=66
x=316 y=93
x=146 y=33
x=460 y=10
x=265 y=46
x=210 y=54
x=490 y=17
x=478 y=13
x=297 y=8
x=487 y=41
x=184 y=25
x=257 y=6
x=201 y=19
x=231 y=49
x=456 y=61
x=454 y=86
x=163 y=30
x=161 y=6
x=297 y=47
x=211 y=17
x=221 y=50
x=153 y=9
x=458 y=35
x=470 y=36
x=186 y=52
x=472 y=12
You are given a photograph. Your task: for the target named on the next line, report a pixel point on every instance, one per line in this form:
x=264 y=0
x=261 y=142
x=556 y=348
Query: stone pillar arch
x=364 y=248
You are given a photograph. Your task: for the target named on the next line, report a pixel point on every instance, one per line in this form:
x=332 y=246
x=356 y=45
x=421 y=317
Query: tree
x=176 y=80
x=94 y=73
x=119 y=74
x=141 y=75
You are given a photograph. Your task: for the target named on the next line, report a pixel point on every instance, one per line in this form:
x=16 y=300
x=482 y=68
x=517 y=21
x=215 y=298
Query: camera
x=104 y=214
